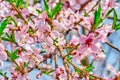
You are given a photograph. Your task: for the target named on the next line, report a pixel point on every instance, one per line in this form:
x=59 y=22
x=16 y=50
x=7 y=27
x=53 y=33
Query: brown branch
x=94 y=6
x=96 y=77
x=111 y=45
x=72 y=49
x=16 y=9
x=56 y=60
x=65 y=63
x=86 y=3
x=56 y=63
x=19 y=67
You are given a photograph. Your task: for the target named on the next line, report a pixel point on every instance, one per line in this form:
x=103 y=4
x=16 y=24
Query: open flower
x=89 y=42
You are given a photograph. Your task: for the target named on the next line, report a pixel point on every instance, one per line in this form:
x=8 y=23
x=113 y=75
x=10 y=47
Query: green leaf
x=13 y=55
x=117 y=27
x=114 y=19
x=69 y=57
x=55 y=41
x=99 y=11
x=85 y=14
x=97 y=15
x=89 y=68
x=19 y=3
x=16 y=68
x=9 y=38
x=13 y=37
x=43 y=51
x=10 y=1
x=91 y=77
x=26 y=64
x=51 y=13
x=98 y=23
x=24 y=4
x=3 y=25
x=6 y=39
x=46 y=8
x=77 y=71
x=117 y=0
x=3 y=74
x=39 y=12
x=35 y=1
x=108 y=13
x=56 y=9
x=13 y=21
x=47 y=72
x=31 y=32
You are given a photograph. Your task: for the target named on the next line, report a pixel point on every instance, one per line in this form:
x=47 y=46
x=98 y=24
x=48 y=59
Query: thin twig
x=65 y=62
x=111 y=45
x=96 y=77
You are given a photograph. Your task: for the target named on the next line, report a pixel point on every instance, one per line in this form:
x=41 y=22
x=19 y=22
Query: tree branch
x=65 y=62
x=111 y=45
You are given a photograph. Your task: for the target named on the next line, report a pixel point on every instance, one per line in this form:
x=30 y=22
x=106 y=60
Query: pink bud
x=38 y=75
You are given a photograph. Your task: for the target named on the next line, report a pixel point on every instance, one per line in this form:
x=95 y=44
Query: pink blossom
x=75 y=4
x=104 y=31
x=74 y=41
x=60 y=72
x=38 y=75
x=3 y=54
x=22 y=37
x=22 y=77
x=89 y=42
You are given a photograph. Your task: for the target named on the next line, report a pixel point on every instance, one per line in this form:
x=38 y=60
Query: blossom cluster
x=70 y=30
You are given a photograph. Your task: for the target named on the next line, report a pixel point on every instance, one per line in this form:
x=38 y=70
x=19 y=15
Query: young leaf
x=55 y=41
x=99 y=11
x=77 y=71
x=6 y=39
x=13 y=36
x=114 y=19
x=3 y=74
x=89 y=68
x=13 y=55
x=69 y=57
x=56 y=9
x=97 y=24
x=117 y=27
x=85 y=14
x=108 y=13
x=97 y=15
x=43 y=51
x=19 y=3
x=46 y=8
x=3 y=25
x=39 y=12
x=47 y=72
x=13 y=21
x=26 y=64
x=9 y=38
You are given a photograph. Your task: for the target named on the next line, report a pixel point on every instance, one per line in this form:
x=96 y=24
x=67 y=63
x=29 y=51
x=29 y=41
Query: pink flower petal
x=83 y=48
x=83 y=39
x=94 y=48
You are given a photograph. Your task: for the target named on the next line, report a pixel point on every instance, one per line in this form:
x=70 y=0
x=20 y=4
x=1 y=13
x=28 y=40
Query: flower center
x=89 y=41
